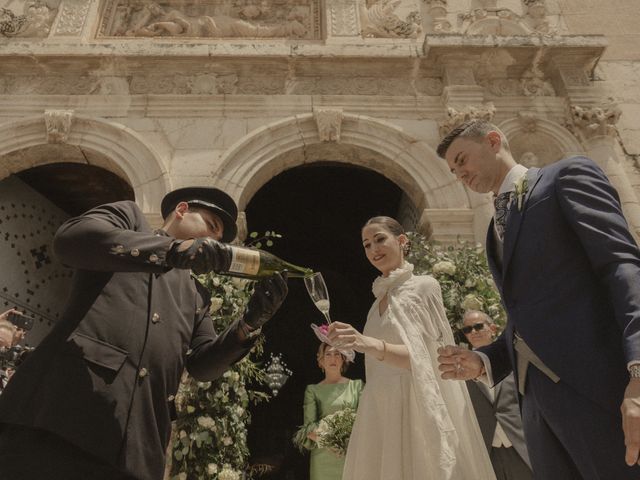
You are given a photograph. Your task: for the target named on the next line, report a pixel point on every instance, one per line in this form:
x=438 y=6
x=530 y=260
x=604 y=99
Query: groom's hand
x=457 y=363
x=631 y=421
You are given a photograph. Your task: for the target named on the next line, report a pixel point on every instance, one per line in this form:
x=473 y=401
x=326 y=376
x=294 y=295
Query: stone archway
x=110 y=145
x=358 y=140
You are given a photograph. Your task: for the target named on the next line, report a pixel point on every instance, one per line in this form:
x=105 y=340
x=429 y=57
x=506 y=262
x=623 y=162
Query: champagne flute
x=318 y=292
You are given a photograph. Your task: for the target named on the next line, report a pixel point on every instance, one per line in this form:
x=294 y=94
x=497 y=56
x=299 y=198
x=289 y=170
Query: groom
x=568 y=271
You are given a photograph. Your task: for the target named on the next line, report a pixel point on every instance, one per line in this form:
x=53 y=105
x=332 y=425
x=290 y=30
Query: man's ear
x=181 y=209
x=495 y=141
x=494 y=328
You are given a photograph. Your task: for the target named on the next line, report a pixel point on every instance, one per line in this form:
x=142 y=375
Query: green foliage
x=463 y=274
x=210 y=435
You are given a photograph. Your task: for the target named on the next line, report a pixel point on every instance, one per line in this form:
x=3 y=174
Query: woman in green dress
x=334 y=393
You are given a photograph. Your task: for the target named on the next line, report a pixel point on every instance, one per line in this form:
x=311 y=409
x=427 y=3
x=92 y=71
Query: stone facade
x=169 y=93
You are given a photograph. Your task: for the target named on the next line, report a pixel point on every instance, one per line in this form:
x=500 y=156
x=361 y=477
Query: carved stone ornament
x=529 y=121
x=589 y=122
x=35 y=21
x=72 y=17
x=212 y=19
x=329 y=122
x=58 y=123
x=438 y=14
x=456 y=117
x=380 y=20
x=344 y=18
x=533 y=81
x=489 y=19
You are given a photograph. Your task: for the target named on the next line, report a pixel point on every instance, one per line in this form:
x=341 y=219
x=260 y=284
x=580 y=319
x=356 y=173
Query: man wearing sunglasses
x=497 y=408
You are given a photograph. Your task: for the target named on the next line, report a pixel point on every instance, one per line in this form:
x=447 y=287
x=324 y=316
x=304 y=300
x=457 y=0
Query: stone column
x=595 y=128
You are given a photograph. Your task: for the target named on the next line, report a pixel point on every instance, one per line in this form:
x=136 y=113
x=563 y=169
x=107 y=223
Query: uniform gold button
x=143 y=372
x=118 y=249
x=171 y=398
x=135 y=252
x=153 y=258
x=155 y=318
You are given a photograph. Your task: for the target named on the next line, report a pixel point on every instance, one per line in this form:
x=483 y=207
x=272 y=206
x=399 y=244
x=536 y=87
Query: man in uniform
x=94 y=400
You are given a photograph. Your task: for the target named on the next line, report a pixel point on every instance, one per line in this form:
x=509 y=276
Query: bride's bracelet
x=384 y=350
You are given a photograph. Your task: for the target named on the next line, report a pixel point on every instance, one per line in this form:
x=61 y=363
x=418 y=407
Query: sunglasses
x=476 y=326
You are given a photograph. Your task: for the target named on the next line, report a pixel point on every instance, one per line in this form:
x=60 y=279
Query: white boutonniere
x=521 y=186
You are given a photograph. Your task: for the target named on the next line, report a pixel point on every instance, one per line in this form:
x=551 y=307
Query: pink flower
x=324 y=329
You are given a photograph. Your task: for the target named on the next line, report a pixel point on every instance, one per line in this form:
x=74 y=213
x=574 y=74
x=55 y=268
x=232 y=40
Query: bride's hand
x=343 y=335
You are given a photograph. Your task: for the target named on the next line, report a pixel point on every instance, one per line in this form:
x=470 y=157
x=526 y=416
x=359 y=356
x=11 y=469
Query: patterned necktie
x=501 y=202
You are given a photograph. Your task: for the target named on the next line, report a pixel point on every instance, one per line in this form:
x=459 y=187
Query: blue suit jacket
x=570 y=281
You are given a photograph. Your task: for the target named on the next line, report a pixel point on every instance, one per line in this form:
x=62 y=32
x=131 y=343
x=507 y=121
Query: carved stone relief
x=379 y=18
x=487 y=17
x=34 y=20
x=72 y=17
x=589 y=122
x=455 y=117
x=438 y=12
x=212 y=19
x=58 y=123
x=533 y=80
x=343 y=16
x=329 y=122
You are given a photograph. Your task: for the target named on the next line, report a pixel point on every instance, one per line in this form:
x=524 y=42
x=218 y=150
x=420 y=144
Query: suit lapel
x=490 y=247
x=515 y=216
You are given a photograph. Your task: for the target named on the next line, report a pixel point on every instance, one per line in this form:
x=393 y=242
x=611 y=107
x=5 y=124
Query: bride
x=410 y=424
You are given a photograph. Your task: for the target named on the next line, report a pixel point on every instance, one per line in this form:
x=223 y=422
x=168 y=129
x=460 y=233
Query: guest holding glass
x=410 y=424
x=335 y=392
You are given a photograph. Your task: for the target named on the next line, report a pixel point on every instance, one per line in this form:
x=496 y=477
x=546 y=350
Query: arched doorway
x=33 y=203
x=319 y=209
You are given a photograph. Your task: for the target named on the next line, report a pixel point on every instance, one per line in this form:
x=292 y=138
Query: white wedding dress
x=410 y=424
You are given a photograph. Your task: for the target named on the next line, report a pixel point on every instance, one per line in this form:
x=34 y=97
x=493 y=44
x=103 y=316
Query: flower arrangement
x=463 y=274
x=210 y=435
x=334 y=431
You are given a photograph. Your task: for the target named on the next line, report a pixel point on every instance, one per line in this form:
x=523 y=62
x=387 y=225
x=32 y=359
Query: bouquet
x=334 y=431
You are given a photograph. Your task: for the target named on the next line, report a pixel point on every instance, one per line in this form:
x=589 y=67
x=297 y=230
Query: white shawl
x=456 y=449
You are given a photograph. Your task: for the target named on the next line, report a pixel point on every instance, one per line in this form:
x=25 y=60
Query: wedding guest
x=334 y=393
x=94 y=399
x=568 y=271
x=497 y=408
x=410 y=424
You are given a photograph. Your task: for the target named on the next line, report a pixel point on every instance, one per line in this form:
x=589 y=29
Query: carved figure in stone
x=35 y=21
x=588 y=122
x=58 y=123
x=530 y=159
x=329 y=122
x=157 y=21
x=536 y=17
x=533 y=81
x=457 y=117
x=379 y=20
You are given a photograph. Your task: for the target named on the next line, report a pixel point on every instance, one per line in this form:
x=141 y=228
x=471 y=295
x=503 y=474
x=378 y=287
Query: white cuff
x=487 y=377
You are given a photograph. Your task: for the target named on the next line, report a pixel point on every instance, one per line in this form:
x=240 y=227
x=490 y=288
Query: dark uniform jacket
x=105 y=377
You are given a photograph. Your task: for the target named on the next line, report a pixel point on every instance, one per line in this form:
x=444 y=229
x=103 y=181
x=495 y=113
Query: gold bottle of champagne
x=255 y=264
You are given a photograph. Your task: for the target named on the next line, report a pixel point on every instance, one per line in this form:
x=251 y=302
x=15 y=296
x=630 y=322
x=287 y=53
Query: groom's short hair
x=470 y=129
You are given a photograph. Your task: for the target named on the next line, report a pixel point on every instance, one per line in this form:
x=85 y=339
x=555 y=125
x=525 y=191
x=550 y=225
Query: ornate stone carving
x=213 y=19
x=72 y=17
x=35 y=21
x=344 y=19
x=457 y=117
x=380 y=20
x=529 y=121
x=329 y=122
x=489 y=19
x=589 y=122
x=533 y=81
x=58 y=123
x=438 y=13
x=429 y=86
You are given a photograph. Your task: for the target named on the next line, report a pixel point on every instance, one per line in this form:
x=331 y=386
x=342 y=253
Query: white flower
x=183 y=434
x=216 y=304
x=228 y=474
x=207 y=422
x=227 y=441
x=216 y=282
x=204 y=385
x=239 y=283
x=444 y=267
x=471 y=302
x=191 y=409
x=182 y=476
x=212 y=469
x=239 y=410
x=521 y=186
x=469 y=282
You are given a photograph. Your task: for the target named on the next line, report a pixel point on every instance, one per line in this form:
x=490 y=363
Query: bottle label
x=244 y=261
